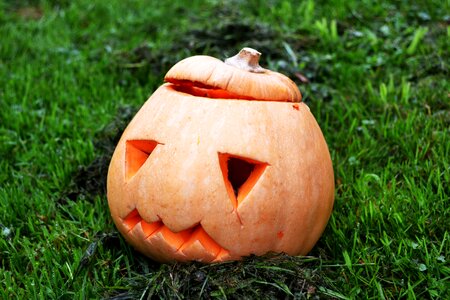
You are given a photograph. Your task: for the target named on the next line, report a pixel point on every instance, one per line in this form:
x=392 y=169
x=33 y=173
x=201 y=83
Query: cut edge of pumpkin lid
x=238 y=77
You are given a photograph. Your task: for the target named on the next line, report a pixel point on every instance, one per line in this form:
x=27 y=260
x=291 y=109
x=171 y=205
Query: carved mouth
x=190 y=244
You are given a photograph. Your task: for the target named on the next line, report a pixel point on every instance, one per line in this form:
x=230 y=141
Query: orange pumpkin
x=222 y=161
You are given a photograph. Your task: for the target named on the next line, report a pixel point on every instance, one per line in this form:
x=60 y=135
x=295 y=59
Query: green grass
x=73 y=73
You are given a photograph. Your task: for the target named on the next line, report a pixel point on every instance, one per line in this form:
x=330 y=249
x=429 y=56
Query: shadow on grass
x=91 y=180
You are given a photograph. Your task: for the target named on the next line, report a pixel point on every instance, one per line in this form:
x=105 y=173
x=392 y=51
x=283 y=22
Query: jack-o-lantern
x=222 y=161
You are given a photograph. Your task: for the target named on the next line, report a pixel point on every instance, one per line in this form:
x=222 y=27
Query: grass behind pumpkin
x=375 y=75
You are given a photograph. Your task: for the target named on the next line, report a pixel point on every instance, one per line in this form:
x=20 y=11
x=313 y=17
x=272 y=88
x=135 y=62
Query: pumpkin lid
x=238 y=77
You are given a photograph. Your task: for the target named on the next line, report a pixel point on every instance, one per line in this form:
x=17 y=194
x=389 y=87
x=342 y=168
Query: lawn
x=374 y=74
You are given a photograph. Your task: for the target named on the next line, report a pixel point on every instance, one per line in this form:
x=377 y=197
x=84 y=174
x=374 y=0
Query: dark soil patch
x=269 y=277
x=91 y=180
x=221 y=40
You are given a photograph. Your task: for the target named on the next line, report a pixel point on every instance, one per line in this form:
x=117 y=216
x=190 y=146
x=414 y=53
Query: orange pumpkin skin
x=170 y=181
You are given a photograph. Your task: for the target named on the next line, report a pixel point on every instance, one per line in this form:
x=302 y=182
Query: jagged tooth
x=223 y=255
x=175 y=239
x=207 y=242
x=201 y=246
x=196 y=251
x=150 y=228
x=132 y=219
x=136 y=236
x=158 y=248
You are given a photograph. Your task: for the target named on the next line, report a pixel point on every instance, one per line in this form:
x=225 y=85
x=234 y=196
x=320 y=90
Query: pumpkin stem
x=247 y=59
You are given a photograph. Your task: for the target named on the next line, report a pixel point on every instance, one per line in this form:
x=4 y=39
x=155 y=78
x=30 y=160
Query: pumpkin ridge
x=228 y=81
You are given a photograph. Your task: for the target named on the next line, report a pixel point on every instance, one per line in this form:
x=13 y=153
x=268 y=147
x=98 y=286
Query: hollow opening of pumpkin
x=240 y=175
x=198 y=89
x=238 y=172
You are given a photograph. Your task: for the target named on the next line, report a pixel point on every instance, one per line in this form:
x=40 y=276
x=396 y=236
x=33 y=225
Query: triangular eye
x=136 y=153
x=240 y=175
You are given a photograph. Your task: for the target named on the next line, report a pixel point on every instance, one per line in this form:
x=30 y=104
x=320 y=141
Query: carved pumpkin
x=222 y=161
